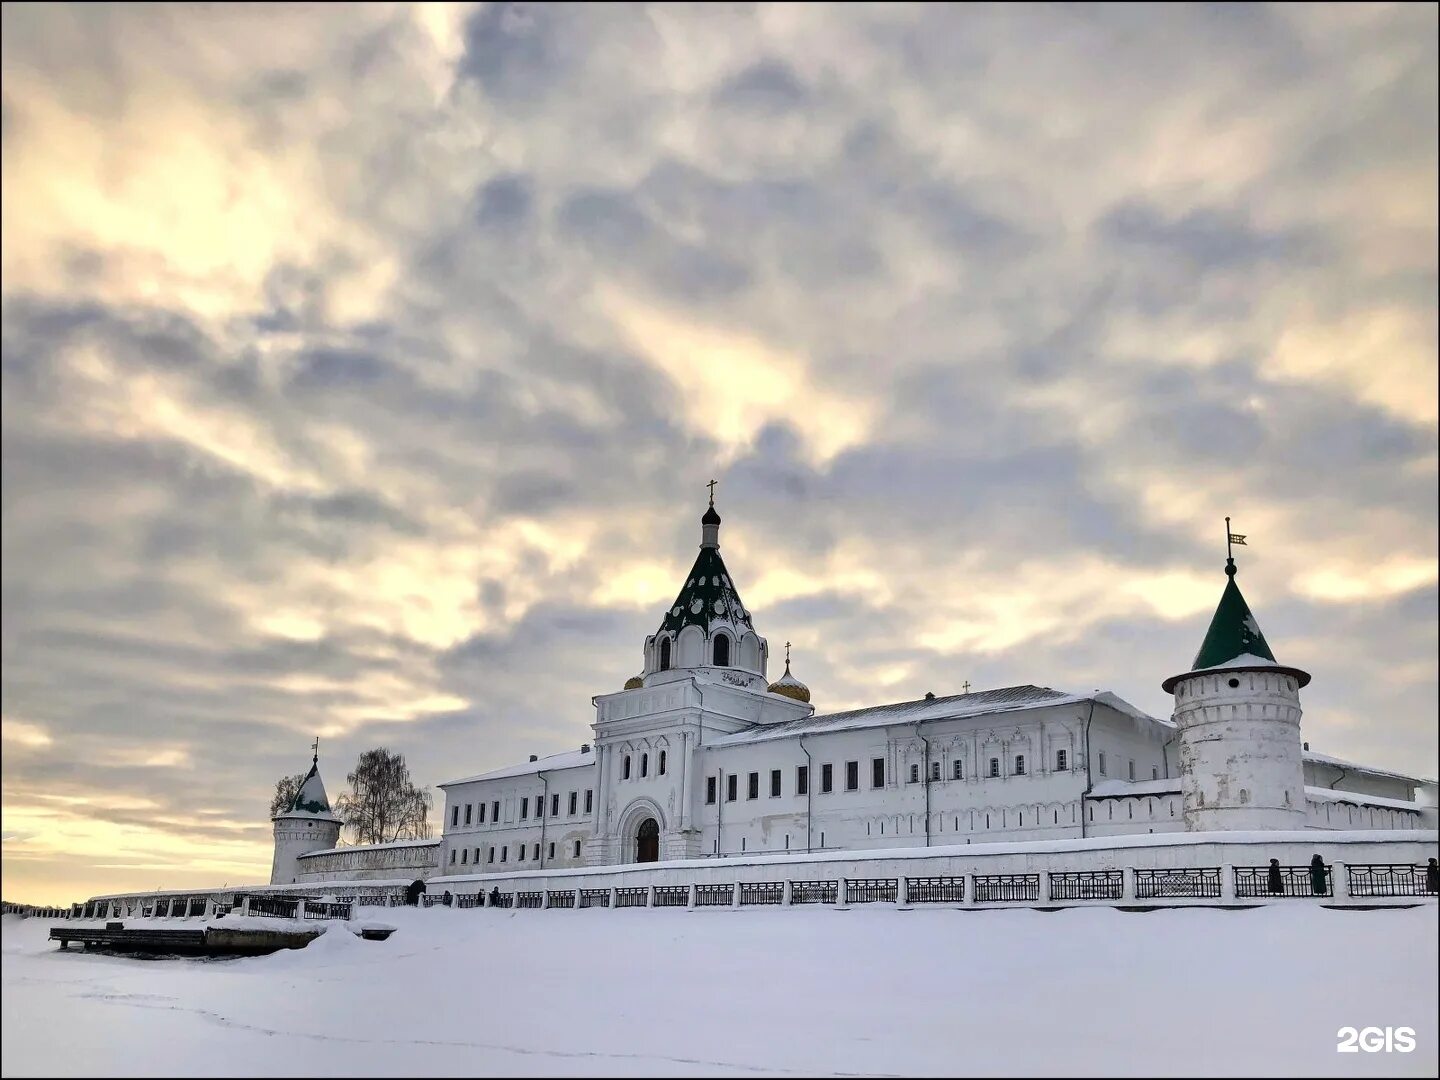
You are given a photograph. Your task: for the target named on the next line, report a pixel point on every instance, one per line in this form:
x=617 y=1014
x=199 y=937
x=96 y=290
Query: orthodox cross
x=712 y=483
x=965 y=686
x=787 y=654
x=316 y=748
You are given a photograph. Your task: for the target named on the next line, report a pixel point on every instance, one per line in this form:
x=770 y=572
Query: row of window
x=504 y=853
x=719 y=655
x=1154 y=769
x=572 y=805
x=625 y=766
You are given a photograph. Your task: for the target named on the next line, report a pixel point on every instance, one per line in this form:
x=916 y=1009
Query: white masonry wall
x=525 y=831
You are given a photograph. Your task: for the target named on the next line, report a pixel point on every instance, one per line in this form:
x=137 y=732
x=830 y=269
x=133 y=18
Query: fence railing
x=470 y=900
x=672 y=895
x=1178 y=882
x=321 y=909
x=594 y=897
x=275 y=907
x=529 y=899
x=631 y=897
x=935 y=890
x=871 y=891
x=714 y=895
x=1389 y=879
x=762 y=892
x=1281 y=881
x=561 y=898
x=991 y=888
x=814 y=892
x=1087 y=885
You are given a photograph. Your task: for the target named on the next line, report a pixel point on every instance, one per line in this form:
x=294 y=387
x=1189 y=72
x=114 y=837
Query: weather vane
x=1232 y=538
x=315 y=746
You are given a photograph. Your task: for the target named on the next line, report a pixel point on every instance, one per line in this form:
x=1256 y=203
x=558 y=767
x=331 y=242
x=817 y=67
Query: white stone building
x=700 y=755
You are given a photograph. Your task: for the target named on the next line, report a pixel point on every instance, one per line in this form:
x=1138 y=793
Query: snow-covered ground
x=868 y=991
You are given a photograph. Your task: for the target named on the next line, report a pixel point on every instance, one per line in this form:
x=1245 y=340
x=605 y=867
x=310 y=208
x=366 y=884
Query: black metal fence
x=1199 y=882
x=320 y=909
x=991 y=888
x=672 y=895
x=1387 y=879
x=631 y=897
x=871 y=890
x=594 y=897
x=197 y=905
x=529 y=899
x=1087 y=885
x=469 y=900
x=561 y=898
x=275 y=907
x=762 y=892
x=814 y=892
x=1290 y=881
x=714 y=895
x=935 y=890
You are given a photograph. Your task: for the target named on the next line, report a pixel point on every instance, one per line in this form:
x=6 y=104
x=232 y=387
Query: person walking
x=1274 y=880
x=1319 y=879
x=1432 y=877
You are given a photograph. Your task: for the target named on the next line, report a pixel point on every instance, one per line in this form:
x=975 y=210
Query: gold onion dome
x=635 y=682
x=789 y=686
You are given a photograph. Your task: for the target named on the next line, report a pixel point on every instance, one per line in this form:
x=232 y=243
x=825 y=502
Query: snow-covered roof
x=1326 y=794
x=311 y=801
x=571 y=759
x=956 y=707
x=1350 y=766
x=1110 y=789
x=371 y=847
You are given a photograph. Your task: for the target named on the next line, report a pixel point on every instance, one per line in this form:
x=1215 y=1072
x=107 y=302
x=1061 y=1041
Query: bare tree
x=285 y=790
x=383 y=804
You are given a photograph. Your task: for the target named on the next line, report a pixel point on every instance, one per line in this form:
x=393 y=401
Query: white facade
x=699 y=757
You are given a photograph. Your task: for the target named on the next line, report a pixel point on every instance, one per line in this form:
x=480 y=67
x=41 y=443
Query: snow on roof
x=958 y=706
x=1110 y=789
x=1244 y=660
x=1326 y=794
x=371 y=847
x=571 y=759
x=1341 y=763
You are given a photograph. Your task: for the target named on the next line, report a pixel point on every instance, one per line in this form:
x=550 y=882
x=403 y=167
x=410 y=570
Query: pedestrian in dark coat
x=1432 y=877
x=1274 y=880
x=495 y=896
x=1318 y=883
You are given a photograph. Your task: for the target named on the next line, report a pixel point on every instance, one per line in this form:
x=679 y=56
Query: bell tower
x=308 y=825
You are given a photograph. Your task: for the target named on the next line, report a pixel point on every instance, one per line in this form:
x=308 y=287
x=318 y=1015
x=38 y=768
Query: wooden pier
x=196 y=941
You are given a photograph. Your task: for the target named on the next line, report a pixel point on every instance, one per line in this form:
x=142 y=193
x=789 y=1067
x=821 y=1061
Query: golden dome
x=635 y=682
x=789 y=686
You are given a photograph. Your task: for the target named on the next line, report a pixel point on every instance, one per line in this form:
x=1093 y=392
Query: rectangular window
x=555 y=805
x=959 y=769
x=536 y=853
x=877 y=772
x=589 y=800
x=1154 y=772
x=550 y=852
x=454 y=816
x=452 y=857
x=1019 y=764
x=662 y=762
x=934 y=770
x=577 y=849
x=1132 y=768
x=774 y=783
x=852 y=776
x=914 y=774
x=827 y=778
x=495 y=811
x=1102 y=762
x=524 y=809
x=1059 y=760
x=994 y=766
x=539 y=806
x=732 y=786
x=464 y=856
x=574 y=802
x=710 y=791
x=802 y=780
x=477 y=857
x=752 y=786
x=504 y=852
x=490 y=855
x=520 y=853
x=468 y=808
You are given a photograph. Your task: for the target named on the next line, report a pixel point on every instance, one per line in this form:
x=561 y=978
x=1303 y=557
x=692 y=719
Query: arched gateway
x=647 y=841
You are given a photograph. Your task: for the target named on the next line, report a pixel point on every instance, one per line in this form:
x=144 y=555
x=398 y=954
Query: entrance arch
x=647 y=841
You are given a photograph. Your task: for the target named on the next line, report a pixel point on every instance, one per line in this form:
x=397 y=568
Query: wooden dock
x=196 y=941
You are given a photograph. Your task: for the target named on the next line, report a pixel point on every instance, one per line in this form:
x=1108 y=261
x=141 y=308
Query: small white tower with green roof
x=1238 y=711
x=307 y=826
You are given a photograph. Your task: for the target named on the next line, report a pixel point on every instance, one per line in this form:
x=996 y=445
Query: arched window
x=665 y=654
x=662 y=762
x=625 y=775
x=644 y=766
x=722 y=650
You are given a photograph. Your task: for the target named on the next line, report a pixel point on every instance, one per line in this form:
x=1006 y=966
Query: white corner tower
x=1238 y=711
x=308 y=825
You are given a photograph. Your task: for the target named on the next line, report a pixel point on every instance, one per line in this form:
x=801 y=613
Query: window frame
x=827 y=777
x=732 y=787
x=712 y=790
x=752 y=786
x=852 y=775
x=775 y=783
x=877 y=773
x=802 y=779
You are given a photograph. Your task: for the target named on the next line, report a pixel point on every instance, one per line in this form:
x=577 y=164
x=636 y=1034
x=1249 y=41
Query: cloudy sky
x=363 y=370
